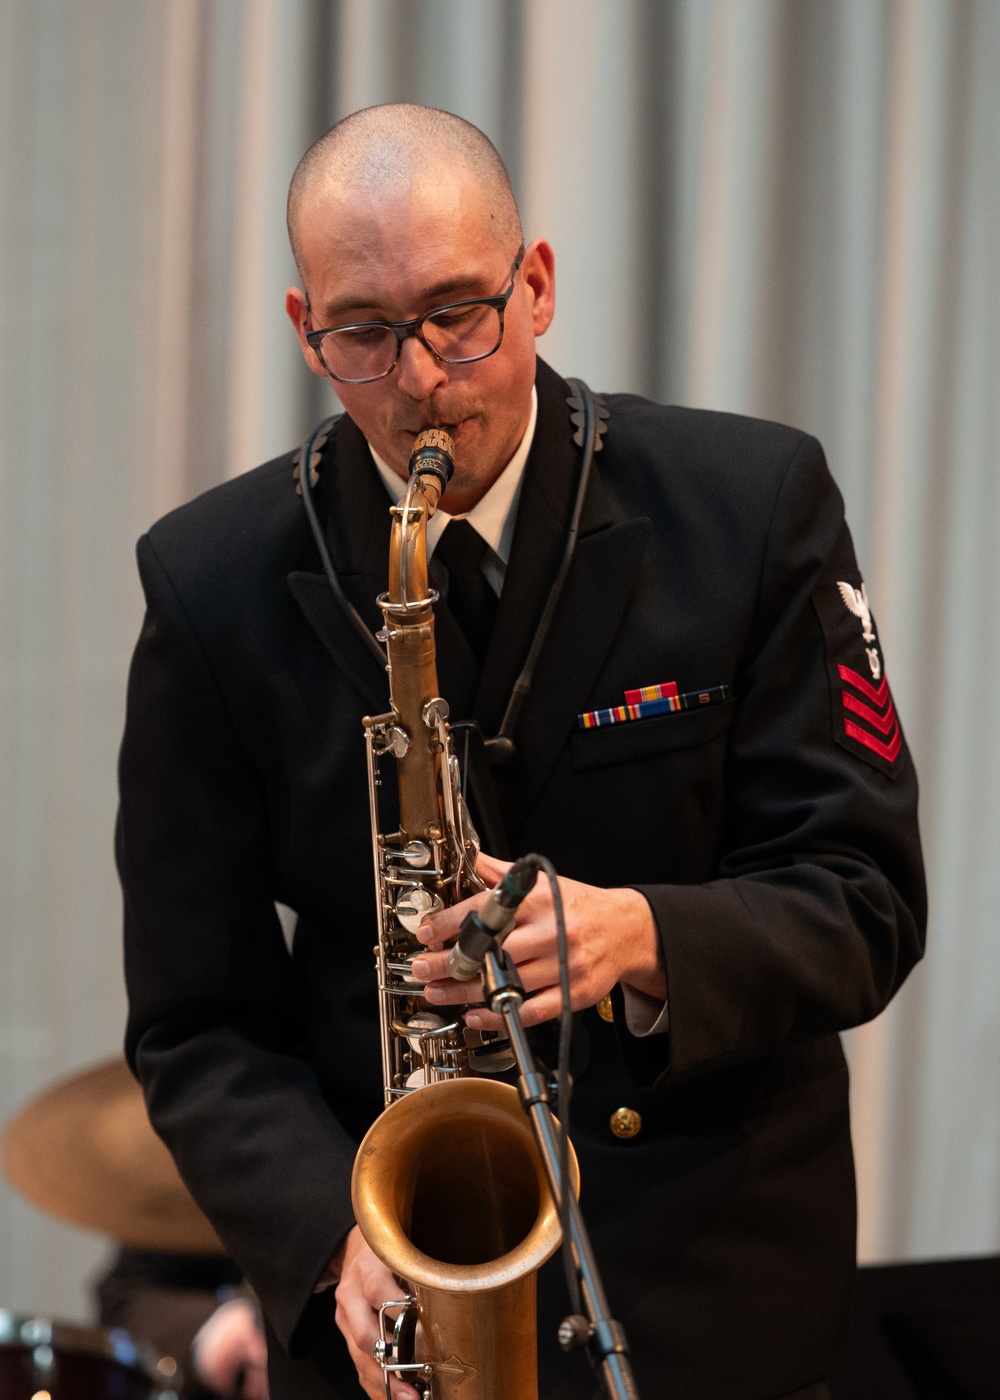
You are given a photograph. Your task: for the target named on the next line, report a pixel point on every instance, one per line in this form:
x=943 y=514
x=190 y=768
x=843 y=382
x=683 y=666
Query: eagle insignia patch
x=856 y=601
x=864 y=715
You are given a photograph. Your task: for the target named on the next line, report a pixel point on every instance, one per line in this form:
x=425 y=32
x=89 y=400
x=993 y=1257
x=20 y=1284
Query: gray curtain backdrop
x=780 y=207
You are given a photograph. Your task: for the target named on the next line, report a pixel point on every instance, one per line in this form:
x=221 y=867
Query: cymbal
x=84 y=1151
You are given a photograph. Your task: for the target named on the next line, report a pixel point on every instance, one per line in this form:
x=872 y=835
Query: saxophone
x=448 y=1188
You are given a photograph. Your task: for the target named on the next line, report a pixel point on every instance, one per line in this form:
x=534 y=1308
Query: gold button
x=605 y=1009
x=625 y=1122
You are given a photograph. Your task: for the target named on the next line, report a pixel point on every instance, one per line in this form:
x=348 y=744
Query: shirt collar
x=492 y=517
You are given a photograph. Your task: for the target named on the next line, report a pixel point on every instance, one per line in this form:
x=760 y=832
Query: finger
x=372 y=1383
x=532 y=940
x=534 y=937
x=257 y=1355
x=360 y=1344
x=255 y=1383
x=479 y=1019
x=431 y=967
x=377 y=1284
x=357 y=1321
x=447 y=992
x=490 y=869
x=537 y=977
x=442 y=927
x=543 y=1006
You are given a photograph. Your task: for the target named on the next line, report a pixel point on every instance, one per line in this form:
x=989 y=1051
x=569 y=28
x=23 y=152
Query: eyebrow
x=457 y=287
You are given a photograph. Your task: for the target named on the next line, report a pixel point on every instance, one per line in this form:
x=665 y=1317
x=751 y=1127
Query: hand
x=365 y=1284
x=230 y=1345
x=611 y=937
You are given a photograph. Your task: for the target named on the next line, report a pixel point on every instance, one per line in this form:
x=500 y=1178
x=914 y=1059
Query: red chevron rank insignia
x=865 y=722
x=879 y=727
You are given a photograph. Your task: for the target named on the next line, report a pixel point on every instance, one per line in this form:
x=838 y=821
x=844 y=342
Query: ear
x=538 y=268
x=296 y=309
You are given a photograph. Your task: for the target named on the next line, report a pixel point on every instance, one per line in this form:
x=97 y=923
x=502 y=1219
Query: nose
x=419 y=372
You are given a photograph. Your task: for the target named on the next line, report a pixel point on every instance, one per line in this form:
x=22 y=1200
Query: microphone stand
x=603 y=1337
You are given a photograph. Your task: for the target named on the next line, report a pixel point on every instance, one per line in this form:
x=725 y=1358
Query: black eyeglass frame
x=402 y=330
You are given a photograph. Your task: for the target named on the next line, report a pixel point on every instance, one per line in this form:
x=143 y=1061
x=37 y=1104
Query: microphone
x=492 y=922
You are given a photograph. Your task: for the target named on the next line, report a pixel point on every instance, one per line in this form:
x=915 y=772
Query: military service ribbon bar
x=666 y=691
x=652 y=700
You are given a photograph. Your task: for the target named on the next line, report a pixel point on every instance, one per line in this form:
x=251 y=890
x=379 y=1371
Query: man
x=742 y=868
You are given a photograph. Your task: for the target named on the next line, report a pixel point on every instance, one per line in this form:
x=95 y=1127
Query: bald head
x=380 y=148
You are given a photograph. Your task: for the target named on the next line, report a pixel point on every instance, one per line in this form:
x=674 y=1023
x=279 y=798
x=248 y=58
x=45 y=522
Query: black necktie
x=472 y=601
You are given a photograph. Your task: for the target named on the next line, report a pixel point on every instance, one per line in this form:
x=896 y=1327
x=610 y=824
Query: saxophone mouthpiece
x=434 y=453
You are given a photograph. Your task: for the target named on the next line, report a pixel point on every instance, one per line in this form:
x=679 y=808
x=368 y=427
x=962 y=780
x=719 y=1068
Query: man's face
x=395 y=255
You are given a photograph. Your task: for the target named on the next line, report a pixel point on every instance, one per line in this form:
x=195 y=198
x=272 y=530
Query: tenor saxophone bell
x=448 y=1190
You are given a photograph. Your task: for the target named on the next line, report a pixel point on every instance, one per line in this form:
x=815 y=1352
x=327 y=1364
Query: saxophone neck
x=408 y=544
x=431 y=467
x=423 y=762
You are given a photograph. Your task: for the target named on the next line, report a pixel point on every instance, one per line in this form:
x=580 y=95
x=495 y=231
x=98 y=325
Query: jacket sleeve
x=211 y=1032
x=818 y=910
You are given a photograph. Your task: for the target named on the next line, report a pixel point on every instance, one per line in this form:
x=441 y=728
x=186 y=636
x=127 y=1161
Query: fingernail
x=425 y=932
x=421 y=969
x=473 y=1019
x=434 y=993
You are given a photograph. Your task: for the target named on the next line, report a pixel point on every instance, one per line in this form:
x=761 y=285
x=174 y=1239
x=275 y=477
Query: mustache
x=440 y=416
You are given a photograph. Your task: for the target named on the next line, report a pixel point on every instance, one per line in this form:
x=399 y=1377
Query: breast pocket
x=644 y=738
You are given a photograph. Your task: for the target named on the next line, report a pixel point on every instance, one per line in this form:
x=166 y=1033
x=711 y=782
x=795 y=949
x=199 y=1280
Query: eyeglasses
x=458 y=334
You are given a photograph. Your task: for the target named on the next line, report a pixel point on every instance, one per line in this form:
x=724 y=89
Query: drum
x=42 y=1360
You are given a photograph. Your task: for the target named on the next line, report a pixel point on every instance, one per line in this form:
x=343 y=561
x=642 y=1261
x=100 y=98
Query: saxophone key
x=415 y=906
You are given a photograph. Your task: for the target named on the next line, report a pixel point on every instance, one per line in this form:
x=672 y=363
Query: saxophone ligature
x=448 y=1188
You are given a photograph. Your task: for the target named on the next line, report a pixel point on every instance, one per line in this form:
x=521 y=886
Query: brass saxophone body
x=430 y=862
x=448 y=1189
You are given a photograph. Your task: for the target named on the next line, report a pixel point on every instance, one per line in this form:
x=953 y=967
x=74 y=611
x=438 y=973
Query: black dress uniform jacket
x=779 y=853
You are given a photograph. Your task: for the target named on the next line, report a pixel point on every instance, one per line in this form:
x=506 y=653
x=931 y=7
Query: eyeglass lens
x=454 y=334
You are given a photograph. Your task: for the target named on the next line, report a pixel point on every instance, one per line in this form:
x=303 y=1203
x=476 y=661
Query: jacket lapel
x=547 y=492
x=356 y=507
x=608 y=552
